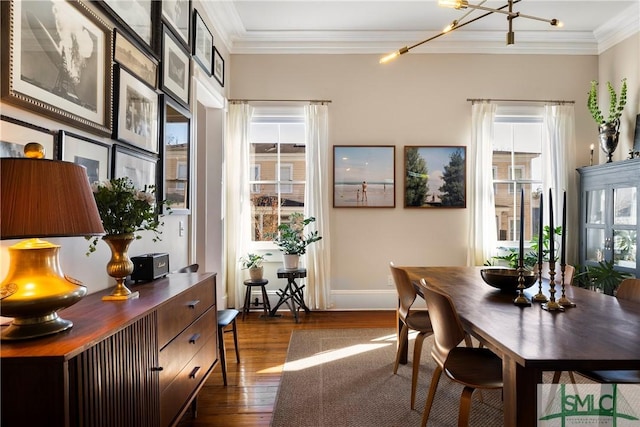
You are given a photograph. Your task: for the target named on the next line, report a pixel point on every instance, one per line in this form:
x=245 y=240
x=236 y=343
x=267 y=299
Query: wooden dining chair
x=569 y=272
x=474 y=368
x=417 y=320
x=192 y=268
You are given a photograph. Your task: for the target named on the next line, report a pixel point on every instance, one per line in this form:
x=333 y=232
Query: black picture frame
x=136 y=112
x=435 y=176
x=176 y=68
x=139 y=167
x=218 y=66
x=131 y=57
x=364 y=176
x=94 y=155
x=202 y=46
x=176 y=157
x=16 y=134
x=636 y=137
x=76 y=91
x=135 y=16
x=177 y=15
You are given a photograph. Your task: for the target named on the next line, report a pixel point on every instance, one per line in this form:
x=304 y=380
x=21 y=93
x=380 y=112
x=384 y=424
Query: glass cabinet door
x=595 y=244
x=595 y=206
x=624 y=226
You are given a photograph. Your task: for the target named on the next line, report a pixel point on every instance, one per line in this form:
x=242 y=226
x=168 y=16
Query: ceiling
x=379 y=26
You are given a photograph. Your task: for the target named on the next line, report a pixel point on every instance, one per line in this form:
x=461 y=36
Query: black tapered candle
x=563 y=249
x=521 y=259
x=551 y=230
x=541 y=233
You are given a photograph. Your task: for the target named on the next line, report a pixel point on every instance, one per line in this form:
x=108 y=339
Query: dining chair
x=227 y=317
x=193 y=268
x=569 y=272
x=416 y=320
x=474 y=368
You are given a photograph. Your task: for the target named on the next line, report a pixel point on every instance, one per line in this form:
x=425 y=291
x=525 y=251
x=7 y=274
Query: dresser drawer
x=184 y=347
x=175 y=396
x=183 y=310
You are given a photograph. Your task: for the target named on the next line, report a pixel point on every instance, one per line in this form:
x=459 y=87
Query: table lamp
x=41 y=198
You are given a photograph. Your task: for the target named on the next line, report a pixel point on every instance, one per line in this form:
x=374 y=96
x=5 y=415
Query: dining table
x=599 y=333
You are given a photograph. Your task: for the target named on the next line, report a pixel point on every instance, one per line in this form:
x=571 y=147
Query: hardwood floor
x=253 y=383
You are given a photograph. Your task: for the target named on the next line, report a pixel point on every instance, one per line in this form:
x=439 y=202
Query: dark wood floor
x=253 y=383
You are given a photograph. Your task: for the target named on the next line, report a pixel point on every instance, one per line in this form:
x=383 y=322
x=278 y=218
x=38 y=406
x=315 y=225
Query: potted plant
x=253 y=263
x=609 y=127
x=292 y=240
x=603 y=276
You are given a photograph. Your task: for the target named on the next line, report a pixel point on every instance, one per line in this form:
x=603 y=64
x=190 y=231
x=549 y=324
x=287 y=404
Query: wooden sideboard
x=133 y=363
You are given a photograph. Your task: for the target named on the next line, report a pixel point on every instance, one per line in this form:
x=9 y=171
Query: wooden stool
x=247 y=297
x=225 y=318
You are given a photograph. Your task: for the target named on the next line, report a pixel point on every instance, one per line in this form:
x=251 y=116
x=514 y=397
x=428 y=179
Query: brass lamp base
x=34 y=327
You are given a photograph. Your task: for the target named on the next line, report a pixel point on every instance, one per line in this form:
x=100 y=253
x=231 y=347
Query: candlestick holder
x=540 y=297
x=552 y=304
x=563 y=300
x=521 y=300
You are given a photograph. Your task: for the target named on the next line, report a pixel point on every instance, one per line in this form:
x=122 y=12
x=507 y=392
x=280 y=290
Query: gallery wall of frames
x=119 y=71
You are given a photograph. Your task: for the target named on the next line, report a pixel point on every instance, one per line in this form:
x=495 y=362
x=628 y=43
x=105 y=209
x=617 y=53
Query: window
x=278 y=167
x=517 y=165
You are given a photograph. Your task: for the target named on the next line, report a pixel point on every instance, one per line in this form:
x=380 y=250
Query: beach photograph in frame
x=177 y=13
x=135 y=15
x=175 y=68
x=177 y=156
x=435 y=177
x=15 y=134
x=202 y=43
x=137 y=112
x=93 y=155
x=138 y=167
x=59 y=62
x=135 y=61
x=218 y=66
x=364 y=176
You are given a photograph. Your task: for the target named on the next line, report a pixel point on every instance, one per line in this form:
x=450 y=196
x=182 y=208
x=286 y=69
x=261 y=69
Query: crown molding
x=619 y=28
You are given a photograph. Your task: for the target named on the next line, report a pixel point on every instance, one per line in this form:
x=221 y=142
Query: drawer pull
x=192 y=304
x=194 y=372
x=194 y=338
x=157 y=368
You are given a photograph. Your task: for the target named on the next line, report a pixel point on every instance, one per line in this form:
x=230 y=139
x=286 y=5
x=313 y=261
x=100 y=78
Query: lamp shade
x=46 y=198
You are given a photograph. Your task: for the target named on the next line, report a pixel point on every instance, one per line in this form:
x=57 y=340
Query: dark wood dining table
x=601 y=332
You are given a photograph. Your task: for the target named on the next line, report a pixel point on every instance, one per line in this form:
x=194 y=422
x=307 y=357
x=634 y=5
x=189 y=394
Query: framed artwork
x=364 y=176
x=93 y=155
x=137 y=112
x=140 y=168
x=134 y=15
x=135 y=61
x=435 y=177
x=175 y=68
x=202 y=43
x=218 y=66
x=636 y=137
x=16 y=134
x=177 y=156
x=59 y=62
x=177 y=13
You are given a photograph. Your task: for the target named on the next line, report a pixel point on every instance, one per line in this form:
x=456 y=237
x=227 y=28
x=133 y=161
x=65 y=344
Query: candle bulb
x=551 y=229
x=563 y=249
x=521 y=263
x=541 y=233
x=591 y=158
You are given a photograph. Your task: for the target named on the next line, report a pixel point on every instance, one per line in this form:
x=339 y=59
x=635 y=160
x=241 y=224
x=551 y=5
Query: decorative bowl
x=506 y=279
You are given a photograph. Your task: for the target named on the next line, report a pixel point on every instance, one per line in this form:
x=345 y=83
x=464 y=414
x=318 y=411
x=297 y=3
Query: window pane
x=292 y=133
x=624 y=248
x=264 y=211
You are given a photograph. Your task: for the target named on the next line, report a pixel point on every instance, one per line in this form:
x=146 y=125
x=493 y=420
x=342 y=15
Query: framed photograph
x=134 y=15
x=137 y=166
x=93 y=155
x=218 y=66
x=137 y=112
x=59 y=62
x=435 y=177
x=175 y=68
x=177 y=13
x=135 y=61
x=177 y=156
x=16 y=134
x=364 y=176
x=202 y=43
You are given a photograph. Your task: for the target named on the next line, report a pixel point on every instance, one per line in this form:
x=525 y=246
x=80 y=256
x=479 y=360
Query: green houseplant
x=253 y=263
x=603 y=276
x=291 y=239
x=608 y=128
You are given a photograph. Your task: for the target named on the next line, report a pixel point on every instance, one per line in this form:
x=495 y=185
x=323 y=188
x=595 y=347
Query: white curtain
x=482 y=224
x=316 y=204
x=558 y=164
x=237 y=210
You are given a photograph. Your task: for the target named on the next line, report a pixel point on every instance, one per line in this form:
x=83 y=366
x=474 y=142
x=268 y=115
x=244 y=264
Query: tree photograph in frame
x=93 y=155
x=59 y=62
x=134 y=60
x=177 y=156
x=138 y=167
x=364 y=176
x=218 y=66
x=175 y=68
x=16 y=134
x=177 y=13
x=134 y=15
x=137 y=112
x=202 y=43
x=435 y=177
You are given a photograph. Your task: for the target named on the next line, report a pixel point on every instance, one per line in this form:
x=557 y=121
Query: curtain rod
x=544 y=101
x=319 y=101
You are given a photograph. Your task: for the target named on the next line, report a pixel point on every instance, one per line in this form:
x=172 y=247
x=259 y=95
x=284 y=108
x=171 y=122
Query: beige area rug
x=345 y=378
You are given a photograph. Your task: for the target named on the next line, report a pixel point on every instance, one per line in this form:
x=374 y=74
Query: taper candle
x=521 y=259
x=541 y=233
x=591 y=158
x=563 y=249
x=551 y=230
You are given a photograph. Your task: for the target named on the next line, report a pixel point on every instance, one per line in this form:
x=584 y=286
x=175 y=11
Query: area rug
x=345 y=378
